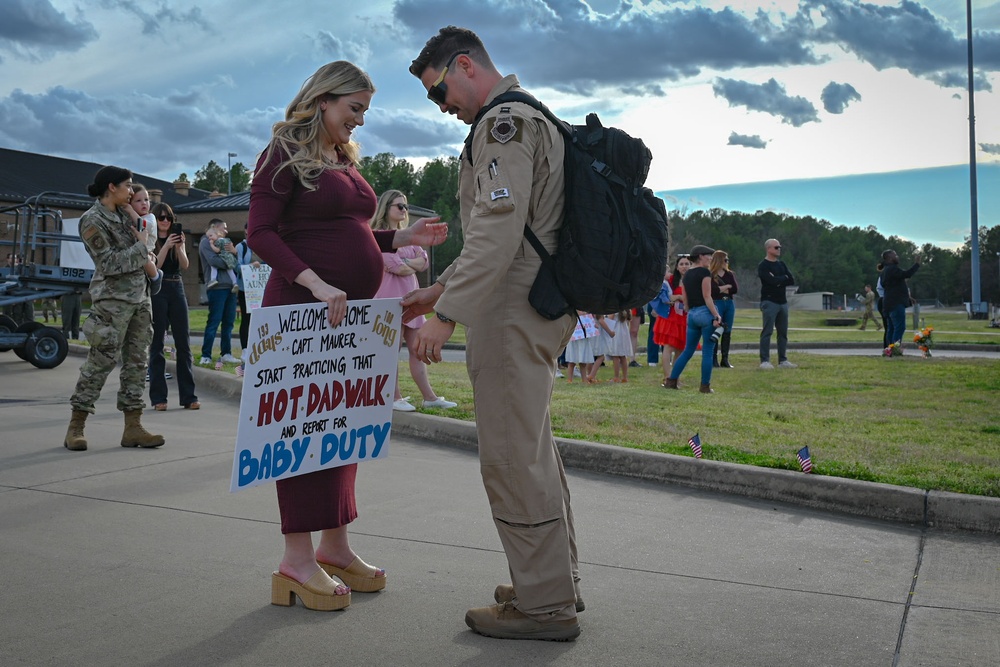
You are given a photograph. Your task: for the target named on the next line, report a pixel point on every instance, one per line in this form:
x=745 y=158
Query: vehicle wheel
x=26 y=328
x=46 y=347
x=7 y=326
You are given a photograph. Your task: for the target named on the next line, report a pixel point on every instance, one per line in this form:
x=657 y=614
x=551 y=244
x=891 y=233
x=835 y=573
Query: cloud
x=768 y=97
x=957 y=79
x=35 y=30
x=907 y=36
x=613 y=49
x=836 y=96
x=331 y=46
x=406 y=134
x=178 y=132
x=990 y=149
x=746 y=141
x=153 y=22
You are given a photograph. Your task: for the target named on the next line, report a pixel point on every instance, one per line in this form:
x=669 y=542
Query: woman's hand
x=335 y=299
x=416 y=263
x=425 y=231
x=402 y=270
x=142 y=236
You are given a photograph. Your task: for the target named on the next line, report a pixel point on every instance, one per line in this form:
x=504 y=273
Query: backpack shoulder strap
x=516 y=96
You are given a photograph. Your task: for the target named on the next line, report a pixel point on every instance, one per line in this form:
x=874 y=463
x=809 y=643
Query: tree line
x=839 y=259
x=823 y=257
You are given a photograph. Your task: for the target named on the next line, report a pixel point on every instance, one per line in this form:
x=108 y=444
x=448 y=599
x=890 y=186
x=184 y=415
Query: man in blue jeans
x=222 y=296
x=774 y=278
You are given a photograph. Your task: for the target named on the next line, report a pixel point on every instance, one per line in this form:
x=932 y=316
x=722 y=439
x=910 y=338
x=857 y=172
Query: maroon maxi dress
x=293 y=229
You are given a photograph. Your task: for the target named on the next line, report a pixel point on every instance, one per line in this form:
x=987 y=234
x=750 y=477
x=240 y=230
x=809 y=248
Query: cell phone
x=176 y=228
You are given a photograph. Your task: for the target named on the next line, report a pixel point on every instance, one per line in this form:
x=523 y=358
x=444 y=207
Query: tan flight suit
x=516 y=177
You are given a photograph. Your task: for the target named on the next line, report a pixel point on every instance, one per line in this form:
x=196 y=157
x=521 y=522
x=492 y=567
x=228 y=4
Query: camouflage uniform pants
x=114 y=329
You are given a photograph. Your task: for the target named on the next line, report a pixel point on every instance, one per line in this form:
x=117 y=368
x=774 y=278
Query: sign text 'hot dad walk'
x=316 y=397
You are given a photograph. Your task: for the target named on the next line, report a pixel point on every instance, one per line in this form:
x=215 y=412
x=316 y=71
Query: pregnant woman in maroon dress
x=309 y=213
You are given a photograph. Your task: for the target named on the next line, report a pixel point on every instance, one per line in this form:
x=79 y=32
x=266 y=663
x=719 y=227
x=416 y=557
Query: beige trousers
x=511 y=353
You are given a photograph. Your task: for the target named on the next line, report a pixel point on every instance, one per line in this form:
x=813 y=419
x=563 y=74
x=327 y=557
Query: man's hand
x=431 y=339
x=420 y=301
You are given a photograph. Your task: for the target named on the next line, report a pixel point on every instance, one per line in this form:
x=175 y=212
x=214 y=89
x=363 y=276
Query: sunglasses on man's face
x=439 y=89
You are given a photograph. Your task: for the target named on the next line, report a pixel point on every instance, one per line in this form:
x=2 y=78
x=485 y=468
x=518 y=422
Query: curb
x=925 y=508
x=930 y=509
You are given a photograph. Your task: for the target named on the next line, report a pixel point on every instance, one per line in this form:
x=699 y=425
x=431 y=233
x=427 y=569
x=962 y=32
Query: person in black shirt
x=774 y=278
x=897 y=294
x=703 y=318
x=170 y=308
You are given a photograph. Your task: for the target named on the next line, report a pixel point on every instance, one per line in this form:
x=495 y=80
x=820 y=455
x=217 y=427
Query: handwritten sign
x=316 y=397
x=254 y=281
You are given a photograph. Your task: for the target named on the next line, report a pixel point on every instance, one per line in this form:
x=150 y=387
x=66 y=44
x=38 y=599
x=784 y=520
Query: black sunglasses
x=164 y=216
x=436 y=93
x=402 y=207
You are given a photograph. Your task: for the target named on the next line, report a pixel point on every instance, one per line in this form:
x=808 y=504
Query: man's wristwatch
x=444 y=319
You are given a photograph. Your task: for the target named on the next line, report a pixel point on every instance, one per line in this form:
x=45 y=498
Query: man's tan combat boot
x=74 y=434
x=135 y=435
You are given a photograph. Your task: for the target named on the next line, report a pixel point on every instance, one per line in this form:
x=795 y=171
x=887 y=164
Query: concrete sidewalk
x=143 y=557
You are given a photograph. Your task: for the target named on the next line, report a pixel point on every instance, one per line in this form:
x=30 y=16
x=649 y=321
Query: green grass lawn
x=925 y=423
x=808 y=327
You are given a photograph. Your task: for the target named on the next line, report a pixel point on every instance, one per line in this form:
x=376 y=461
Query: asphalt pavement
x=142 y=557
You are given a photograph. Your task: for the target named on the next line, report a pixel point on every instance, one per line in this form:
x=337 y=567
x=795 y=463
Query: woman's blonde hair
x=381 y=218
x=719 y=258
x=301 y=134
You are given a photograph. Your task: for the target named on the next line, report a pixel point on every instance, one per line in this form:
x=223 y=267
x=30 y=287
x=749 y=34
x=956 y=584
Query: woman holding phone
x=170 y=309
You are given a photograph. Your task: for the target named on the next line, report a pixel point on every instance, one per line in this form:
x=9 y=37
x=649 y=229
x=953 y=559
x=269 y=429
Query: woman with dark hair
x=309 y=214
x=170 y=309
x=120 y=322
x=703 y=319
x=897 y=294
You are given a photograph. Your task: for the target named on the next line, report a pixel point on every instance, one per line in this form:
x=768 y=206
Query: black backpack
x=612 y=249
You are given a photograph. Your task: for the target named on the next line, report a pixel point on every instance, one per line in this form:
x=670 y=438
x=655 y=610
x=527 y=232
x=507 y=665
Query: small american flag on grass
x=695 y=443
x=805 y=461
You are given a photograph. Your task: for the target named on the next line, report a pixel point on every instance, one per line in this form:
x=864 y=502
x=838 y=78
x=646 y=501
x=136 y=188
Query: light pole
x=229 y=163
x=973 y=196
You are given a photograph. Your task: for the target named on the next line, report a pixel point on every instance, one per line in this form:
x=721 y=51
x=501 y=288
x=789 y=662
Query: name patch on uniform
x=505 y=127
x=499 y=193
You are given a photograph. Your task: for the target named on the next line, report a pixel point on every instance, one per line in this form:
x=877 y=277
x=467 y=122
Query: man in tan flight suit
x=513 y=175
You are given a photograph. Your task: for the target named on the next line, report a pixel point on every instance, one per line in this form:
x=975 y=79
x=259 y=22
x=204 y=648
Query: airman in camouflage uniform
x=120 y=323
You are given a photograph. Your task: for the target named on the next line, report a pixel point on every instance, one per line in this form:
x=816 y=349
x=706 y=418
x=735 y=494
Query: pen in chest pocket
x=493 y=169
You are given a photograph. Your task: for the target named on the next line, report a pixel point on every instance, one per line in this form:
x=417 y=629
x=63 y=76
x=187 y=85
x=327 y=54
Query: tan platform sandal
x=319 y=593
x=359 y=575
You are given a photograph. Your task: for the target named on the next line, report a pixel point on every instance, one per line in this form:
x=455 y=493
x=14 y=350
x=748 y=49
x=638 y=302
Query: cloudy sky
x=727 y=92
